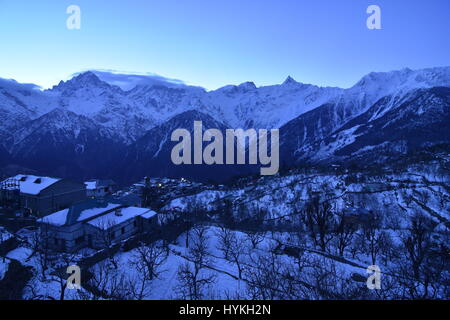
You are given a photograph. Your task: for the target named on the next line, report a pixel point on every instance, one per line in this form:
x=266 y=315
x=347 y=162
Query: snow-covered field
x=226 y=283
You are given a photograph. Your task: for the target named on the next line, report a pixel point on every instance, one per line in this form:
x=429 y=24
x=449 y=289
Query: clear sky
x=212 y=43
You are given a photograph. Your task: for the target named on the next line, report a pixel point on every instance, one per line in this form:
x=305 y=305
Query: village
x=77 y=215
x=87 y=222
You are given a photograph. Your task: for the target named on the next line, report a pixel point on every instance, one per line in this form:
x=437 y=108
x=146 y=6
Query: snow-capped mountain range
x=60 y=130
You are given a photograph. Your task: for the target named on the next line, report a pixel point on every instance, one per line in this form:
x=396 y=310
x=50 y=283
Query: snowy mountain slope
x=313 y=119
x=421 y=121
x=246 y=106
x=129 y=113
x=107 y=105
x=392 y=126
x=151 y=154
x=66 y=144
x=164 y=102
x=19 y=103
x=149 y=104
x=273 y=106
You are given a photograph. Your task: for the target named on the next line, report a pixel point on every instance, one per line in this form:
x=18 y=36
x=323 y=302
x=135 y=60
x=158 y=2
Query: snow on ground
x=48 y=288
x=226 y=282
x=22 y=255
x=395 y=196
x=165 y=288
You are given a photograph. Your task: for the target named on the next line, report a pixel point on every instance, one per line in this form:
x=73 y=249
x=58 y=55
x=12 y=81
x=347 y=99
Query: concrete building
x=100 y=188
x=96 y=224
x=41 y=196
x=118 y=225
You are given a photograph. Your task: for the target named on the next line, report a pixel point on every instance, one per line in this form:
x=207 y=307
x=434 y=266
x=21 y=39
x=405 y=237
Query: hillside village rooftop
x=33 y=185
x=104 y=222
x=79 y=212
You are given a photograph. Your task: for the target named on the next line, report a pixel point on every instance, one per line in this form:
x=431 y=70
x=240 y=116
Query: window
x=123 y=230
x=135 y=223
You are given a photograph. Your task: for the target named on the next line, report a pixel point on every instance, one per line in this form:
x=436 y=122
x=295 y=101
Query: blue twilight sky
x=212 y=43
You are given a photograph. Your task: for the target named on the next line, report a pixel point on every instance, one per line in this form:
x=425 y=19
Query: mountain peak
x=83 y=80
x=87 y=77
x=290 y=80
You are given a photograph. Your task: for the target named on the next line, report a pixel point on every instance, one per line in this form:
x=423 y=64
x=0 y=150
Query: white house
x=95 y=224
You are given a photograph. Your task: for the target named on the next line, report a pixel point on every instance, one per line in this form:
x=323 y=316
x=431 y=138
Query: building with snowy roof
x=100 y=188
x=96 y=224
x=43 y=195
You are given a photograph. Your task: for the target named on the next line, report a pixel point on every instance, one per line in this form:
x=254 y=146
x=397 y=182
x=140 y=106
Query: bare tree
x=199 y=250
x=255 y=238
x=237 y=251
x=224 y=237
x=319 y=219
x=60 y=274
x=374 y=237
x=264 y=280
x=192 y=285
x=41 y=247
x=148 y=260
x=417 y=242
x=192 y=281
x=271 y=278
x=344 y=233
x=107 y=282
x=421 y=265
x=137 y=286
x=387 y=247
x=297 y=251
x=98 y=283
x=331 y=283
